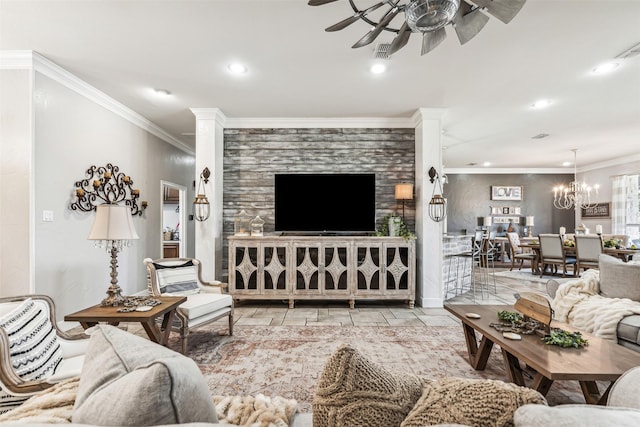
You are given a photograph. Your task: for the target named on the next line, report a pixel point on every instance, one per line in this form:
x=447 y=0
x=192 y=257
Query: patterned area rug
x=288 y=360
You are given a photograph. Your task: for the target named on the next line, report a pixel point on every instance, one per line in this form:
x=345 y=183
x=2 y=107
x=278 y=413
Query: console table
x=322 y=268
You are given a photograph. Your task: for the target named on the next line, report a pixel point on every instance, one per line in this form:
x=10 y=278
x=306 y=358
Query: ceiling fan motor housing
x=430 y=15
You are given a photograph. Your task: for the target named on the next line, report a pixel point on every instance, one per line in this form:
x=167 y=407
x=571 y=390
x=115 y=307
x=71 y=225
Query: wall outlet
x=47 y=216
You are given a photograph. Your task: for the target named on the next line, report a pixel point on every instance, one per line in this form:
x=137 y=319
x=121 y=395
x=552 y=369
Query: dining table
x=625 y=254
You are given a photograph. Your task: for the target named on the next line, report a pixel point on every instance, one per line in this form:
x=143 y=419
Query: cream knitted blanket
x=578 y=303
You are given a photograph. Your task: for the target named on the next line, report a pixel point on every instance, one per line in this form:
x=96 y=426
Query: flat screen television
x=325 y=203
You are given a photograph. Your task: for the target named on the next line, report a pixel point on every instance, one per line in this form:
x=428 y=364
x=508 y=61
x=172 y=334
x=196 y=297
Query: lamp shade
x=486 y=221
x=404 y=191
x=113 y=222
x=529 y=221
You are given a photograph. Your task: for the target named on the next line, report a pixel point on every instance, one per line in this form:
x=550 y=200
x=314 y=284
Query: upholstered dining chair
x=34 y=353
x=517 y=253
x=552 y=254
x=588 y=250
x=205 y=301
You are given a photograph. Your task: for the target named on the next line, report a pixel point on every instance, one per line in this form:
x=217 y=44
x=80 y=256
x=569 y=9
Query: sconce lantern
x=201 y=207
x=437 y=204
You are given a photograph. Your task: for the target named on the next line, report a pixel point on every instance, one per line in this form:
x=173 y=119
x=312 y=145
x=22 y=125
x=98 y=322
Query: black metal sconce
x=437 y=204
x=201 y=207
x=106 y=184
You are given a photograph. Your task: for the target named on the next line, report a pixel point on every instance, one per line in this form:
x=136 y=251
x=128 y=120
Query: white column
x=209 y=153
x=429 y=291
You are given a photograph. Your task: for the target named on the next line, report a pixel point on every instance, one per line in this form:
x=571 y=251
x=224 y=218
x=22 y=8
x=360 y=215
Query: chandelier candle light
x=575 y=195
x=113 y=228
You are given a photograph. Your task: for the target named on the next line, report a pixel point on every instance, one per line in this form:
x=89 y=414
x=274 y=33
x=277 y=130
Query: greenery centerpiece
x=402 y=230
x=515 y=322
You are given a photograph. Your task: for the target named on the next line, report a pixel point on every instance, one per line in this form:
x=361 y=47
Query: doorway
x=174 y=219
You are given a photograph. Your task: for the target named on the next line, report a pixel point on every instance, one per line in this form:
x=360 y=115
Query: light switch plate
x=47 y=216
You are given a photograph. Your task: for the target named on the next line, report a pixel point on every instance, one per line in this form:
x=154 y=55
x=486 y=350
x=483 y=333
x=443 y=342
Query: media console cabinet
x=322 y=268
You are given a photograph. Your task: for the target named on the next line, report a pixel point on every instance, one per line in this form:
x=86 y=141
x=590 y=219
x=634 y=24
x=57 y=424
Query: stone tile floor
x=374 y=313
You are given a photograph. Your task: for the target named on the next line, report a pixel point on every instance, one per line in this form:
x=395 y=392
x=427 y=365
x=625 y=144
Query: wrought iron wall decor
x=106 y=184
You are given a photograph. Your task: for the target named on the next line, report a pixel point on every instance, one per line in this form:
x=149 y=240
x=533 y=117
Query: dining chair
x=517 y=253
x=552 y=254
x=205 y=301
x=588 y=250
x=34 y=353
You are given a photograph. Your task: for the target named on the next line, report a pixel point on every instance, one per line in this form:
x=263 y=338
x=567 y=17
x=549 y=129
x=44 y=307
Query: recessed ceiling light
x=162 y=92
x=566 y=164
x=605 y=68
x=541 y=103
x=378 y=68
x=486 y=164
x=237 y=68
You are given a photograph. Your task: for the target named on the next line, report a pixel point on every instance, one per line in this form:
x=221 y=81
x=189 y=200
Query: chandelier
x=577 y=194
x=428 y=17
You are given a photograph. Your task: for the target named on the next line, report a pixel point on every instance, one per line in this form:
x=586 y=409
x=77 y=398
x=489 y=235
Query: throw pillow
x=354 y=391
x=619 y=279
x=129 y=380
x=470 y=402
x=180 y=279
x=34 y=348
x=576 y=415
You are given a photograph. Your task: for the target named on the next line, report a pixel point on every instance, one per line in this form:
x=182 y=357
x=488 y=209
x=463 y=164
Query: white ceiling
x=297 y=70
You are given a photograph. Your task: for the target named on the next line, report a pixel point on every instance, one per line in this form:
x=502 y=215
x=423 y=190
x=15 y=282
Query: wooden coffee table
x=601 y=360
x=159 y=334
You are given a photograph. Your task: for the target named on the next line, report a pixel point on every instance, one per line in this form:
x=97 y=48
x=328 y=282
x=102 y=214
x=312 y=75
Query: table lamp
x=113 y=228
x=529 y=223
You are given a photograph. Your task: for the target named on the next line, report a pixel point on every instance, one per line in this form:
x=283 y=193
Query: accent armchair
x=205 y=301
x=34 y=353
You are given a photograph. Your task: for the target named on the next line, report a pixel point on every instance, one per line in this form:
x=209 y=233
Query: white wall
x=15 y=172
x=70 y=133
x=603 y=176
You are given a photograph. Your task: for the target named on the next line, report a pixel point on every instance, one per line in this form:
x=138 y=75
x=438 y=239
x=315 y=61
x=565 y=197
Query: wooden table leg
x=541 y=384
x=512 y=365
x=592 y=393
x=478 y=355
x=160 y=334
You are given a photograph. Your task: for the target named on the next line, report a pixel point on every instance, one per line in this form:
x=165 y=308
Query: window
x=626 y=197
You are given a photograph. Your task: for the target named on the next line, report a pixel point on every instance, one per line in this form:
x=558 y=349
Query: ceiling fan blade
x=319 y=2
x=469 y=24
x=431 y=39
x=350 y=20
x=504 y=10
x=375 y=32
x=401 y=39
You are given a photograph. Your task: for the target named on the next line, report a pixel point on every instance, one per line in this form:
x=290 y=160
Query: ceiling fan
x=428 y=17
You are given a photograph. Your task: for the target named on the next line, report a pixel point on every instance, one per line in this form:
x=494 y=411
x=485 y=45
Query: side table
x=159 y=334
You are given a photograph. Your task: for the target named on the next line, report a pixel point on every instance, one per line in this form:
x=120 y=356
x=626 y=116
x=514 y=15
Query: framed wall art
x=600 y=210
x=503 y=192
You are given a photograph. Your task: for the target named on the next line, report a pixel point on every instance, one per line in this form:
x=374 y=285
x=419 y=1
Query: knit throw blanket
x=578 y=303
x=55 y=406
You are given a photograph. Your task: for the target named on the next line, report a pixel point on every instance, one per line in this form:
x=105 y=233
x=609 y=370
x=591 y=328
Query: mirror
x=174 y=219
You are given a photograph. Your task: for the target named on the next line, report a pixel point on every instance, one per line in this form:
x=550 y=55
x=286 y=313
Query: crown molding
x=30 y=59
x=610 y=163
x=504 y=171
x=318 y=122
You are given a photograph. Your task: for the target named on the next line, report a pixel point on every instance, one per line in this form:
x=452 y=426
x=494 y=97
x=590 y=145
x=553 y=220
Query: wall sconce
x=437 y=204
x=106 y=184
x=201 y=207
x=404 y=191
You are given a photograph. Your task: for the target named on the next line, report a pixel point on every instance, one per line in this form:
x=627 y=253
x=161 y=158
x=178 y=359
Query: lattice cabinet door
x=334 y=271
x=369 y=268
x=272 y=268
x=305 y=274
x=396 y=261
x=243 y=268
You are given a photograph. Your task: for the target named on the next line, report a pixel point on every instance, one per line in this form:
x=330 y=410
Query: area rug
x=287 y=361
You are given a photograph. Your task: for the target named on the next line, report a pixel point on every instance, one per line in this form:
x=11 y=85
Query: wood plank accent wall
x=253 y=156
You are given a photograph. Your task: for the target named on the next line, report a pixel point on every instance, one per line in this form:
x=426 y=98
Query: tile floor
x=373 y=313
